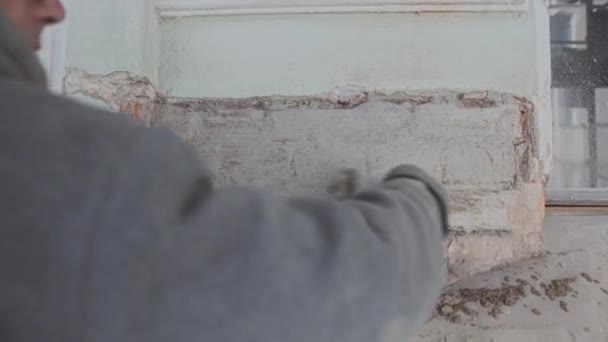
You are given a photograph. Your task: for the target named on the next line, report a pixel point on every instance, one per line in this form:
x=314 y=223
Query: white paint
x=251 y=50
x=299 y=3
x=348 y=95
x=108 y=35
x=210 y=5
x=151 y=44
x=539 y=17
x=395 y=44
x=172 y=11
x=53 y=52
x=463 y=44
x=241 y=56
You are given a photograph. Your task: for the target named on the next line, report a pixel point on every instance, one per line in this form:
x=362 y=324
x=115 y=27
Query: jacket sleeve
x=240 y=263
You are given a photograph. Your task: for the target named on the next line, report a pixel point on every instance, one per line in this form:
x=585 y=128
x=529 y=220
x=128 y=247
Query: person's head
x=31 y=16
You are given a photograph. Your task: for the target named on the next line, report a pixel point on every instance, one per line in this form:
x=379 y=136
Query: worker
x=110 y=231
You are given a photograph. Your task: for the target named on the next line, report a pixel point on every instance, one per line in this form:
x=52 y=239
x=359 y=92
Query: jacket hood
x=17 y=60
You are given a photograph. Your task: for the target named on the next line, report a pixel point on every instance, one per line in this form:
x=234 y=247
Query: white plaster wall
x=107 y=35
x=539 y=22
x=489 y=147
x=195 y=51
x=242 y=56
x=243 y=48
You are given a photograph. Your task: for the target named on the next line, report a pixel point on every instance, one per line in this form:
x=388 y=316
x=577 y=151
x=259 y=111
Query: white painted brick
x=301 y=145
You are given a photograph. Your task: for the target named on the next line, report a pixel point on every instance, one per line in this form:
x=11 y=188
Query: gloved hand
x=348 y=182
x=345 y=183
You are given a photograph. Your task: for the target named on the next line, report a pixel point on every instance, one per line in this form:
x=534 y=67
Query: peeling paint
x=478 y=250
x=471 y=254
x=342 y=98
x=414 y=101
x=287 y=141
x=526 y=144
x=463 y=200
x=125 y=91
x=459 y=231
x=475 y=253
x=526 y=211
x=260 y=114
x=348 y=96
x=121 y=91
x=477 y=100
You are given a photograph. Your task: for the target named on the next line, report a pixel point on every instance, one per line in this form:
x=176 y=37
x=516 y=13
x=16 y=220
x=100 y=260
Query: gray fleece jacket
x=112 y=232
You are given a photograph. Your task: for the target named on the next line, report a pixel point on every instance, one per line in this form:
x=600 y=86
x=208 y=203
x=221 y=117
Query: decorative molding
x=203 y=8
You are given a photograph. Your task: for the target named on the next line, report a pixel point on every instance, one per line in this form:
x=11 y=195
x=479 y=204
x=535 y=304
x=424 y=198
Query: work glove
x=349 y=182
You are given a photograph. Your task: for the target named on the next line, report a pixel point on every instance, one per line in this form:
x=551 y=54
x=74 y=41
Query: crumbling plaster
x=482 y=145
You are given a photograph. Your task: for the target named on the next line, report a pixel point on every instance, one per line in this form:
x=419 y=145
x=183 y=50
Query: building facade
x=281 y=93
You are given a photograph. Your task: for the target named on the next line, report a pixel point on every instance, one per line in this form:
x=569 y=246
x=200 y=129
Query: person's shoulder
x=22 y=101
x=35 y=114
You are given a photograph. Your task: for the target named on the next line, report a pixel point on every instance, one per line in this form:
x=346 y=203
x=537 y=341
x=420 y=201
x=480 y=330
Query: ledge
x=202 y=8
